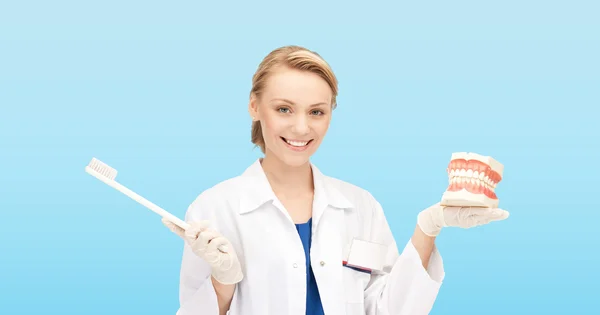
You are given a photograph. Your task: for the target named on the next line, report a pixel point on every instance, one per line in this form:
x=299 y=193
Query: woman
x=296 y=241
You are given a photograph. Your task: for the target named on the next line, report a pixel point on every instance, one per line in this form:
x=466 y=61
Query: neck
x=288 y=180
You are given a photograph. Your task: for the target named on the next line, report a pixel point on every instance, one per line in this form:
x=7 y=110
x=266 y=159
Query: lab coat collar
x=258 y=191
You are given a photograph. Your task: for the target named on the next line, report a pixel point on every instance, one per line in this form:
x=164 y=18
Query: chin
x=294 y=158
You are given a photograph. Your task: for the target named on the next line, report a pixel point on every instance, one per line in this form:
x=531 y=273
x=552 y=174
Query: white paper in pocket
x=366 y=256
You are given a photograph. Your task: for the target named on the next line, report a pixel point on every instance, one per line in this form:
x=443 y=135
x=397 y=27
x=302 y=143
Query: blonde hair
x=295 y=57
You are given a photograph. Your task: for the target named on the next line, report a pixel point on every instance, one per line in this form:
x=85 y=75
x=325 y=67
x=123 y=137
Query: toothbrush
x=107 y=174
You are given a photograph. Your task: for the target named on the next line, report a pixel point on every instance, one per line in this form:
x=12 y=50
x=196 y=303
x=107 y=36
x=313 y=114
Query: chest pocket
x=361 y=260
x=355 y=282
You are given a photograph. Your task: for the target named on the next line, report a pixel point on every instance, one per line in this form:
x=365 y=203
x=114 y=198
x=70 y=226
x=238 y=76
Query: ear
x=253 y=107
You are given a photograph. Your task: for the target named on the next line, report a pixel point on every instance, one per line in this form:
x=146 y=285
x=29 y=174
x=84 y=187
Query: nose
x=301 y=126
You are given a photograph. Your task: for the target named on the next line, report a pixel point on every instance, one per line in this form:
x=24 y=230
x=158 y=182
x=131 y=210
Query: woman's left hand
x=433 y=219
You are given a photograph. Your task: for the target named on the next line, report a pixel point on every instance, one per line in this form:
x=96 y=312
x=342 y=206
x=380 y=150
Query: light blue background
x=159 y=91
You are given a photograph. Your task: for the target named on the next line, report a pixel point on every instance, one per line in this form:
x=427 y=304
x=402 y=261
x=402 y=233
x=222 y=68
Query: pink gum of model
x=472 y=181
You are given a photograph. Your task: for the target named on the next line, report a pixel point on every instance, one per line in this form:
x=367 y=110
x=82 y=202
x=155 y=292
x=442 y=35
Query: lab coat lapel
x=328 y=216
x=326 y=196
x=320 y=203
x=258 y=191
x=326 y=260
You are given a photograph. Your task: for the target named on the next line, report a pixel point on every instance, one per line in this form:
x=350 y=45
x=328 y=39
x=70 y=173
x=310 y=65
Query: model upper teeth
x=474 y=177
x=296 y=143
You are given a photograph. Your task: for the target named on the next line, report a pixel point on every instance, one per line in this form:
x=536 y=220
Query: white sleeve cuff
x=435 y=270
x=203 y=301
x=410 y=288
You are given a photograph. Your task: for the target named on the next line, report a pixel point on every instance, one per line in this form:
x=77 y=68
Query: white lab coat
x=246 y=211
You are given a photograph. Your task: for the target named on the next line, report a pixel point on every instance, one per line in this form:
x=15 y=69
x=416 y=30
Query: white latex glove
x=205 y=243
x=436 y=217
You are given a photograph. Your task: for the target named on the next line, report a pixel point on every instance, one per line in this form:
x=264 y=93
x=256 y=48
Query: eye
x=317 y=112
x=283 y=110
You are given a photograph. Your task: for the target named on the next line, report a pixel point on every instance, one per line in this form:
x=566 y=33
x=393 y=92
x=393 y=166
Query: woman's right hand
x=205 y=242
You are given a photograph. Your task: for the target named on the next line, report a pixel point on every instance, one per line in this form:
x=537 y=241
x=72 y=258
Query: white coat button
x=295 y=265
x=322 y=263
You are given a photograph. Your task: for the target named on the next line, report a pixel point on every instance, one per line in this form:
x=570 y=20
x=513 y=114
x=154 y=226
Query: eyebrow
x=288 y=101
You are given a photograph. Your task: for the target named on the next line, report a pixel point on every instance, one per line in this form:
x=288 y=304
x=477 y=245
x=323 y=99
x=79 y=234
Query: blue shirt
x=313 y=299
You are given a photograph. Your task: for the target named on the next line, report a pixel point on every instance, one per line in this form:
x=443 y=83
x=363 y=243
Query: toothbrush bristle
x=103 y=169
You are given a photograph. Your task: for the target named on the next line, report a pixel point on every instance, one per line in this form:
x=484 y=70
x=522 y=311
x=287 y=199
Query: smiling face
x=294 y=111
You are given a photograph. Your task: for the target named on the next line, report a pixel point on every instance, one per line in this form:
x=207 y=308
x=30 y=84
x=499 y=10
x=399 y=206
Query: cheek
x=271 y=125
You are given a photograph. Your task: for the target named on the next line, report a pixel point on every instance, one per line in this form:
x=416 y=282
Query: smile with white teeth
x=296 y=143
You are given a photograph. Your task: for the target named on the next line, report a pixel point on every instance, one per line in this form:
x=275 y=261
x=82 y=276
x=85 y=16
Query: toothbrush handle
x=143 y=201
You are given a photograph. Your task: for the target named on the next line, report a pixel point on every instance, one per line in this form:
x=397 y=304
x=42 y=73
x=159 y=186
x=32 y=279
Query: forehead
x=300 y=87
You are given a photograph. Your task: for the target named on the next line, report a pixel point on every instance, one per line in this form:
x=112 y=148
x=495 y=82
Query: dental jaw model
x=472 y=181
